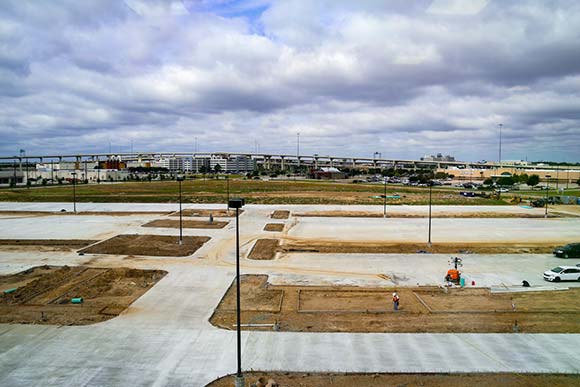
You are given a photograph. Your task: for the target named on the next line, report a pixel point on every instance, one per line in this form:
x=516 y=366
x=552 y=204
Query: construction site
x=143 y=294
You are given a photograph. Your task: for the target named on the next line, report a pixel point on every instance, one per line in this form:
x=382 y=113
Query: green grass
x=255 y=191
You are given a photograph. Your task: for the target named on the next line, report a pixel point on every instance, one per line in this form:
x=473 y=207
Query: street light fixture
x=547 y=189
x=430 y=196
x=180 y=179
x=238 y=203
x=74 y=176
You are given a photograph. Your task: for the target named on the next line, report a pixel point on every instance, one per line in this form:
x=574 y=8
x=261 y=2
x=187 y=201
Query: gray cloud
x=401 y=78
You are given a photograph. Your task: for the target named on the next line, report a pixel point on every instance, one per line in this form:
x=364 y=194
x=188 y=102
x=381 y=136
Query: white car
x=563 y=273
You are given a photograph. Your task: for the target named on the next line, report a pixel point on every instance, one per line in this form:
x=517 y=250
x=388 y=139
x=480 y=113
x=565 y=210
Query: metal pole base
x=240 y=382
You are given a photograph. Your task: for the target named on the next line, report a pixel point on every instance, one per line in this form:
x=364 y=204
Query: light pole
x=384 y=197
x=500 y=127
x=180 y=179
x=74 y=176
x=298 y=149
x=228 y=191
x=238 y=203
x=547 y=189
x=430 y=196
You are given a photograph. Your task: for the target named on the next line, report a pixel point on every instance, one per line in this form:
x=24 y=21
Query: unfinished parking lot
x=330 y=276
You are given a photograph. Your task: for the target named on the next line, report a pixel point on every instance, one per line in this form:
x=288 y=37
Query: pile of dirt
x=216 y=213
x=422 y=309
x=43 y=295
x=171 y=223
x=151 y=245
x=276 y=227
x=280 y=214
x=264 y=249
x=296 y=379
x=371 y=247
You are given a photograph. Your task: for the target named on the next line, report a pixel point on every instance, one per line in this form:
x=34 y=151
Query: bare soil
x=302 y=379
x=216 y=213
x=422 y=309
x=437 y=214
x=67 y=212
x=152 y=245
x=348 y=247
x=171 y=223
x=43 y=294
x=44 y=244
x=276 y=227
x=264 y=249
x=280 y=214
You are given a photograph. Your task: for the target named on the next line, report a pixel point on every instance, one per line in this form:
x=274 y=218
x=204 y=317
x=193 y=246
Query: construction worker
x=395 y=301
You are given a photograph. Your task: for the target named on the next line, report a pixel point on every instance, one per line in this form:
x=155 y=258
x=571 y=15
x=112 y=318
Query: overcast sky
x=402 y=78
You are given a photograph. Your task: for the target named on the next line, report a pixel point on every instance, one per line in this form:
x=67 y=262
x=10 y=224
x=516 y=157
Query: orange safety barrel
x=453 y=274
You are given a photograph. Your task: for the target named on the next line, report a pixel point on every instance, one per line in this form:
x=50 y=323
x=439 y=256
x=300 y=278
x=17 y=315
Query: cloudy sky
x=404 y=78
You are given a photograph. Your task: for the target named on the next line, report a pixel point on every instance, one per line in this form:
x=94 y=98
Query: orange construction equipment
x=453 y=275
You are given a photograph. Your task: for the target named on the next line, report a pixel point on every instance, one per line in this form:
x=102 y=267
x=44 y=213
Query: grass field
x=254 y=191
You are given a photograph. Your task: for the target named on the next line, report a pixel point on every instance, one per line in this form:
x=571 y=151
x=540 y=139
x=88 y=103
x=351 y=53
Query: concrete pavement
x=165 y=339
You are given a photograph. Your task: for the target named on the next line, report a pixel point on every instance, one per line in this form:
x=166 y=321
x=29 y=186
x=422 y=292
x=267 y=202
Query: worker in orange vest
x=395 y=301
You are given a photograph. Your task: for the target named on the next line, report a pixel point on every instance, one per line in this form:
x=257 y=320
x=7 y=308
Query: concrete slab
x=165 y=339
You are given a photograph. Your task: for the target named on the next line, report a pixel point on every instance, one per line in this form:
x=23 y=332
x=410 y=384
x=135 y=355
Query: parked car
x=571 y=250
x=502 y=190
x=467 y=194
x=563 y=273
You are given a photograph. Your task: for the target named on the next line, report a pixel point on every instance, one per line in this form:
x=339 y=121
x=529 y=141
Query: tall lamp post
x=430 y=196
x=547 y=189
x=238 y=203
x=228 y=191
x=74 y=176
x=180 y=179
x=384 y=197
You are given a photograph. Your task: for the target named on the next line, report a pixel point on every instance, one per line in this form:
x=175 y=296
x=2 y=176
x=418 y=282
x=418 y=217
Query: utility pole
x=385 y=197
x=499 y=160
x=298 y=148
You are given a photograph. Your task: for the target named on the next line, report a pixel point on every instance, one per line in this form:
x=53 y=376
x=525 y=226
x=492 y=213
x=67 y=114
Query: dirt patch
x=348 y=247
x=296 y=379
x=67 y=212
x=43 y=295
x=276 y=227
x=152 y=245
x=280 y=214
x=216 y=213
x=264 y=249
x=171 y=223
x=436 y=214
x=422 y=309
x=47 y=244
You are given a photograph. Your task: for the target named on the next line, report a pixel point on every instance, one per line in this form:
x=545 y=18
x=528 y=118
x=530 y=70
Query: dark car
x=571 y=250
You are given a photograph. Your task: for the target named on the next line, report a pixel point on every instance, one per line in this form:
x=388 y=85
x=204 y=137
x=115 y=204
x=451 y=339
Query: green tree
x=533 y=180
x=506 y=181
x=488 y=181
x=217 y=168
